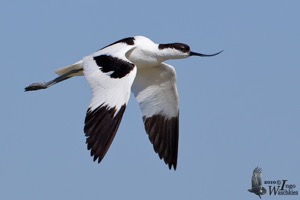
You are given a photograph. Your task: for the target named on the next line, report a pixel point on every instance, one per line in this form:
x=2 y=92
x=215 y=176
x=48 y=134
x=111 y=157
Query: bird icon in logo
x=256 y=181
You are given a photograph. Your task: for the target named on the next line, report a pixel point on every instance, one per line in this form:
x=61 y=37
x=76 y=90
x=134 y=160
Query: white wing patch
x=156 y=91
x=106 y=90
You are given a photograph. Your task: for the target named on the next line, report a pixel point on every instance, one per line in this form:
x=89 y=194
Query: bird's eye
x=183 y=48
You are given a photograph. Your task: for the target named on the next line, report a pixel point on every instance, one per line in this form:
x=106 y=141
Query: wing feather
x=110 y=77
x=256 y=178
x=156 y=91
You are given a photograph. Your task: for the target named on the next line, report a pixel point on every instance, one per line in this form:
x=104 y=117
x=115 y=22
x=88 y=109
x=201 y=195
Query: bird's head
x=180 y=50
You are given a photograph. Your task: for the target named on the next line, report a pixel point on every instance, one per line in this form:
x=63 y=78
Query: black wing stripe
x=118 y=67
x=128 y=41
x=164 y=135
x=100 y=129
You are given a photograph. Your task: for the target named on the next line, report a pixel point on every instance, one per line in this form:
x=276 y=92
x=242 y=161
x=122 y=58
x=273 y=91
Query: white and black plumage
x=134 y=64
x=256 y=183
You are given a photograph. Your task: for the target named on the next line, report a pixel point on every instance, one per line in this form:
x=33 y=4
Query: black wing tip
x=96 y=157
x=101 y=125
x=174 y=165
x=163 y=133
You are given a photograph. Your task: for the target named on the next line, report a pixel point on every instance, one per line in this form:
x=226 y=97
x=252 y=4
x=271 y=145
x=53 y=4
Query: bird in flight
x=256 y=181
x=133 y=64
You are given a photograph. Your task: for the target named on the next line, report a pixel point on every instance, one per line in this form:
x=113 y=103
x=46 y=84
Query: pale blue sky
x=238 y=110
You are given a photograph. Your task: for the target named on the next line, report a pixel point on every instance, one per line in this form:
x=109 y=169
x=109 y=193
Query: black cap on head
x=179 y=46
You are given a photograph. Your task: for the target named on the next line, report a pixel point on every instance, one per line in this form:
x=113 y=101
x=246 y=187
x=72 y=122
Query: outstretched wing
x=256 y=178
x=110 y=77
x=155 y=90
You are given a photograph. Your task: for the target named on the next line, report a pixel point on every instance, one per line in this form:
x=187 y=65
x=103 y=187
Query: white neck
x=151 y=55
